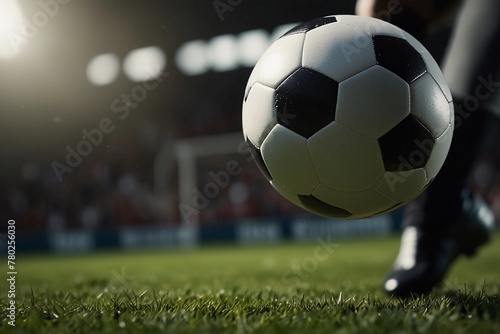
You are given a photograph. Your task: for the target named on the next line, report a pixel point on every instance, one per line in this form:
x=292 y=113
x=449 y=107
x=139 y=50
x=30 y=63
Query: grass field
x=286 y=288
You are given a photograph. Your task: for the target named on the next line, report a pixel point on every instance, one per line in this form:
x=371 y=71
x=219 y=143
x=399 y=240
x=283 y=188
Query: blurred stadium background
x=112 y=112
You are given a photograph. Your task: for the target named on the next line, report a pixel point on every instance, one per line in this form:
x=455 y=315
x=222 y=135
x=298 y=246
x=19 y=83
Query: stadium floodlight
x=103 y=69
x=145 y=63
x=192 y=58
x=251 y=46
x=10 y=23
x=226 y=52
x=223 y=53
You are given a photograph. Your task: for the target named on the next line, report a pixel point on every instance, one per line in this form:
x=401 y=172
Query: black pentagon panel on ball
x=306 y=101
x=407 y=146
x=315 y=205
x=310 y=25
x=399 y=57
x=257 y=157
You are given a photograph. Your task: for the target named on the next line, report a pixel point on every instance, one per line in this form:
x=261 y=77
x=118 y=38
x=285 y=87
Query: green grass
x=267 y=289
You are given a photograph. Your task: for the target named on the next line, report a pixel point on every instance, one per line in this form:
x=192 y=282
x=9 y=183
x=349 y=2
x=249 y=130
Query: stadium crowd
x=107 y=191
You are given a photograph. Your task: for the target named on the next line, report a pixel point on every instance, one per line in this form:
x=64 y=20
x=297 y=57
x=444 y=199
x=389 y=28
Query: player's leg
x=436 y=223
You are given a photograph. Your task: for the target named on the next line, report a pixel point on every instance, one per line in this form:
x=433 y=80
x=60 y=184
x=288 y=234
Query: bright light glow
x=10 y=23
x=223 y=53
x=10 y=16
x=251 y=46
x=145 y=63
x=103 y=69
x=191 y=58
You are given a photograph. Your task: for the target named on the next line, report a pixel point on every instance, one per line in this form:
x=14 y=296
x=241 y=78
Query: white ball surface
x=348 y=117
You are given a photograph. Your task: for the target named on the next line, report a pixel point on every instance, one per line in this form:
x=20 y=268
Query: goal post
x=185 y=154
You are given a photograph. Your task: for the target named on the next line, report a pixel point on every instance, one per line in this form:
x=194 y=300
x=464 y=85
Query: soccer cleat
x=425 y=256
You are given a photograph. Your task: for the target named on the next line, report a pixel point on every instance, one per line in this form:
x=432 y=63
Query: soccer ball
x=348 y=116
